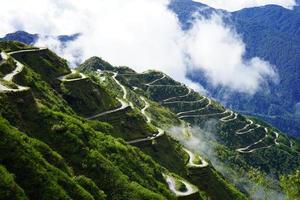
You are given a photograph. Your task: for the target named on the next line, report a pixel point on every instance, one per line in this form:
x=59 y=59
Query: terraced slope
x=159 y=145
x=50 y=140
x=242 y=142
x=251 y=141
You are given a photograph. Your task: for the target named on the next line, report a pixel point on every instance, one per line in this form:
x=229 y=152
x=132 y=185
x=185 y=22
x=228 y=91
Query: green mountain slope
x=58 y=143
x=160 y=146
x=242 y=143
x=249 y=139
x=108 y=133
x=43 y=115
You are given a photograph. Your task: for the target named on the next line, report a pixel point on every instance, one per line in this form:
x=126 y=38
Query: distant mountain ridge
x=272 y=33
x=30 y=39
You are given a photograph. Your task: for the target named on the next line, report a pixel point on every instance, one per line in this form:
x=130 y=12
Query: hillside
x=106 y=132
x=235 y=130
x=72 y=135
x=242 y=143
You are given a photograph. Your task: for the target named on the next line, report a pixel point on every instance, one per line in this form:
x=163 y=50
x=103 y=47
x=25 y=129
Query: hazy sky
x=142 y=34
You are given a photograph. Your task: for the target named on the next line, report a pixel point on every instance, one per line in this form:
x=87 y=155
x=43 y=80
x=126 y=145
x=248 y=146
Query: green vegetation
x=44 y=93
x=8 y=84
x=286 y=158
x=50 y=151
x=197 y=160
x=87 y=97
x=291 y=185
x=45 y=63
x=9 y=46
x=33 y=171
x=75 y=75
x=61 y=156
x=9 y=189
x=6 y=67
x=214 y=185
x=90 y=186
x=94 y=64
x=164 y=150
x=180 y=186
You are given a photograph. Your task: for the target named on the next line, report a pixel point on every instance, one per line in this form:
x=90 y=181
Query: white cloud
x=218 y=51
x=142 y=34
x=234 y=5
x=139 y=33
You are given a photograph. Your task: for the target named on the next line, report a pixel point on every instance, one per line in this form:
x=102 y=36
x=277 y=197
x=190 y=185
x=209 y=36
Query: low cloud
x=142 y=34
x=234 y=5
x=218 y=51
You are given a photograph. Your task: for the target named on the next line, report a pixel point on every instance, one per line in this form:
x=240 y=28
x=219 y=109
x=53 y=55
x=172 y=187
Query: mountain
x=30 y=39
x=270 y=32
x=69 y=135
x=106 y=132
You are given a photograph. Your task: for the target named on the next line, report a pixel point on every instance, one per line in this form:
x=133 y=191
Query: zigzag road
x=149 y=138
x=227 y=118
x=124 y=105
x=19 y=68
x=184 y=102
x=192 y=160
x=244 y=129
x=187 y=114
x=123 y=102
x=152 y=82
x=203 y=115
x=65 y=79
x=195 y=110
x=190 y=189
x=188 y=93
x=245 y=149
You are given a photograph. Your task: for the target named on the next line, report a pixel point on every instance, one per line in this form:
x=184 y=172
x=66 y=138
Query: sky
x=142 y=34
x=234 y=5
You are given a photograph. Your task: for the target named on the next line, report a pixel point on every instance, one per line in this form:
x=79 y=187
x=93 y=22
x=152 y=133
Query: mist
x=216 y=49
x=204 y=141
x=141 y=34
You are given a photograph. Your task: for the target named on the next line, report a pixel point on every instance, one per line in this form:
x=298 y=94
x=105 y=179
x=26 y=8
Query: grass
x=197 y=160
x=8 y=84
x=75 y=75
x=9 y=189
x=93 y=64
x=179 y=185
x=87 y=97
x=46 y=64
x=6 y=67
x=9 y=46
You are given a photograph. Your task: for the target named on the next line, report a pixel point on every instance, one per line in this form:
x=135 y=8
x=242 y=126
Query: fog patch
x=205 y=142
x=218 y=51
